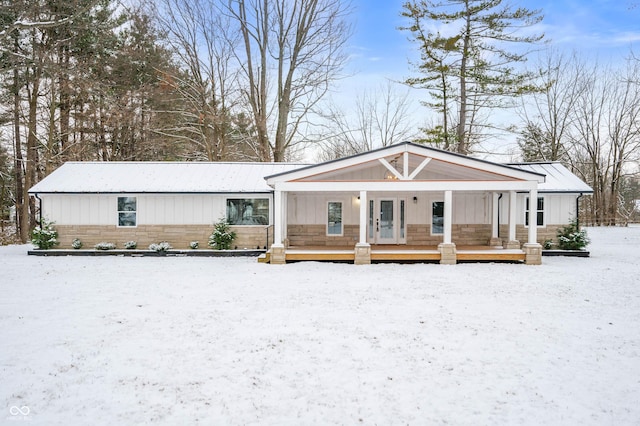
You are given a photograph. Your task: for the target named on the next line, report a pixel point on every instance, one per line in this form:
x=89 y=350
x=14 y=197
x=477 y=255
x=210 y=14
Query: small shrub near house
x=161 y=247
x=76 y=243
x=104 y=246
x=131 y=245
x=222 y=236
x=44 y=236
x=572 y=238
x=194 y=245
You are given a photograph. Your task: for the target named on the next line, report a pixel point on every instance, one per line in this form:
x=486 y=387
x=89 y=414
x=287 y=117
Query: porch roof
x=407 y=166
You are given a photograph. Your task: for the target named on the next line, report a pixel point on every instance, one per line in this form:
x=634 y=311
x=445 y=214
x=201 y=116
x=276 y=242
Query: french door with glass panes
x=387 y=221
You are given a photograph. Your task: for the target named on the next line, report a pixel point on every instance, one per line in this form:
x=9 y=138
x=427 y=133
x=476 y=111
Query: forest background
x=312 y=80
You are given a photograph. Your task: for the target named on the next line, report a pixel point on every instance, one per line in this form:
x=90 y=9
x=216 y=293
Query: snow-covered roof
x=160 y=177
x=558 y=177
x=449 y=163
x=205 y=177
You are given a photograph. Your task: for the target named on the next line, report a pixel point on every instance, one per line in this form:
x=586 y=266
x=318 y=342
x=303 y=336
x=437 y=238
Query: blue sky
x=606 y=28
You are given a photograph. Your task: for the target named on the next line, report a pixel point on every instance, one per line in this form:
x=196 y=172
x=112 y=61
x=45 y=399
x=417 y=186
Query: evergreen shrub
x=572 y=238
x=222 y=236
x=44 y=236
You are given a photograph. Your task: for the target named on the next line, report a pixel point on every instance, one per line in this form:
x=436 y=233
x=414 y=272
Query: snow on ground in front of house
x=181 y=340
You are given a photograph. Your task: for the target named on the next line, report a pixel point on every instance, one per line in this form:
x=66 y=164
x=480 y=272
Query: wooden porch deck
x=399 y=253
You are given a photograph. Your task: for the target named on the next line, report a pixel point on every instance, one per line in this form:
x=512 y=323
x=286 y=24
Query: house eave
x=149 y=192
x=395 y=186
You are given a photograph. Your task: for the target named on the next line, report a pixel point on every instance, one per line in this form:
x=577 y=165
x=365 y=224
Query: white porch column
x=495 y=217
x=285 y=218
x=447 y=248
x=533 y=250
x=363 y=248
x=512 y=243
x=533 y=216
x=278 y=256
x=512 y=215
x=363 y=217
x=277 y=217
x=448 y=215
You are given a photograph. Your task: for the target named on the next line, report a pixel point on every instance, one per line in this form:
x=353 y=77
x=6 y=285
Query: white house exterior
x=408 y=197
x=149 y=202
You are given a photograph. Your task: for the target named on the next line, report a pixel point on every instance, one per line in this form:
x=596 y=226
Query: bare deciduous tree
x=292 y=51
x=548 y=114
x=589 y=118
x=203 y=39
x=381 y=118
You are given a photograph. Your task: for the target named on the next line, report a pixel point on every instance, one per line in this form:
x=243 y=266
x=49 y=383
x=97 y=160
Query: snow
x=186 y=340
x=159 y=177
x=557 y=179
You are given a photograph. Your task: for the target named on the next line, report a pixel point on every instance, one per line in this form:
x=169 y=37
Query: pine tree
x=471 y=65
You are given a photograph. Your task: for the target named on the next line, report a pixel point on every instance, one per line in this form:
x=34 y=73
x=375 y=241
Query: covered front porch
x=402 y=203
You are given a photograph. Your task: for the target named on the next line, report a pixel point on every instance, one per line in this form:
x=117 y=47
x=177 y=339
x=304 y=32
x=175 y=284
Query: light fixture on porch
x=415 y=200
x=389 y=175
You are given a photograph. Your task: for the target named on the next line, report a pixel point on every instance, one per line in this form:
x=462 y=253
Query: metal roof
x=207 y=177
x=558 y=177
x=422 y=150
x=160 y=177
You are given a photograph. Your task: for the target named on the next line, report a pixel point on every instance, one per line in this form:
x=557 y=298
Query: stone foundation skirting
x=464 y=235
x=417 y=235
x=549 y=232
x=179 y=236
x=316 y=235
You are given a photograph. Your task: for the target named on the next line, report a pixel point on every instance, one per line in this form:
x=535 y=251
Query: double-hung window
x=539 y=212
x=127 y=211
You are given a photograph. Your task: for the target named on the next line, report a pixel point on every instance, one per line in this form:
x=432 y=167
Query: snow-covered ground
x=115 y=340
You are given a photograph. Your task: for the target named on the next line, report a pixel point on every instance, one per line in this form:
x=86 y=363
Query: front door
x=386 y=221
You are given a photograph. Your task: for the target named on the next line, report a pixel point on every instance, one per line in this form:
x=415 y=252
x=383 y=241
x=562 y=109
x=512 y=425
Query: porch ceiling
x=406 y=185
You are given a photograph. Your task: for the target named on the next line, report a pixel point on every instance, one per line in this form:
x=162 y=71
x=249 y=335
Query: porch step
x=498 y=254
x=405 y=255
x=320 y=255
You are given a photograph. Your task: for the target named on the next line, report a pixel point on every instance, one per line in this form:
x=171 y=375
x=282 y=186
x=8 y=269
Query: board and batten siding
x=152 y=209
x=311 y=208
x=559 y=209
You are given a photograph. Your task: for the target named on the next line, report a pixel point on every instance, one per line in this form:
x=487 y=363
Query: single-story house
x=150 y=202
x=402 y=202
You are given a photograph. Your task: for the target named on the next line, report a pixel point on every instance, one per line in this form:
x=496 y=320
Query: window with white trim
x=127 y=211
x=539 y=212
x=334 y=218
